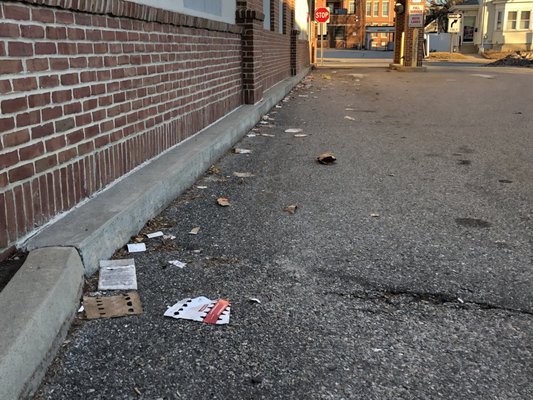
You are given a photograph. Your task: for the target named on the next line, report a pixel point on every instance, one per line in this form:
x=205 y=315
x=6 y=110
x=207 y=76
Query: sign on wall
x=416 y=16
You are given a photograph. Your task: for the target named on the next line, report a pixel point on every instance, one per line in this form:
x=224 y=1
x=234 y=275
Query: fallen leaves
x=291 y=209
x=223 y=202
x=326 y=158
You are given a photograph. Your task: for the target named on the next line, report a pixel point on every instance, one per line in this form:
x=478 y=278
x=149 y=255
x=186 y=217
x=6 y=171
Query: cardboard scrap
x=136 y=247
x=326 y=158
x=201 y=309
x=223 y=201
x=117 y=275
x=112 y=306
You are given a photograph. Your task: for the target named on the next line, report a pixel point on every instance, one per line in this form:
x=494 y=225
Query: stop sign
x=322 y=14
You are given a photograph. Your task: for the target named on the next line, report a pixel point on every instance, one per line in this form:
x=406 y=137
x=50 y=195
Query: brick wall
x=90 y=90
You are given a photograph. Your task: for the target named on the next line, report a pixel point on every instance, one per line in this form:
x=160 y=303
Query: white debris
x=177 y=263
x=154 y=234
x=117 y=275
x=136 y=247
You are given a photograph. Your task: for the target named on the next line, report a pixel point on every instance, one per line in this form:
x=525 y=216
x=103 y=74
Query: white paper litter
x=241 y=151
x=484 y=76
x=303 y=95
x=81 y=309
x=268 y=135
x=117 y=275
x=194 y=231
x=136 y=247
x=349 y=109
x=243 y=174
x=350 y=118
x=293 y=130
x=167 y=237
x=154 y=235
x=177 y=263
x=196 y=310
x=278 y=106
x=201 y=187
x=254 y=300
x=264 y=122
x=300 y=135
x=251 y=135
x=374 y=215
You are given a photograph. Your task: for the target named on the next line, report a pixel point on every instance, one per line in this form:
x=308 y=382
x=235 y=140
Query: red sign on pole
x=322 y=14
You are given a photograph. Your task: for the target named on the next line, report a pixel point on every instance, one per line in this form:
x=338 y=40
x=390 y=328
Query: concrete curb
x=37 y=305
x=107 y=222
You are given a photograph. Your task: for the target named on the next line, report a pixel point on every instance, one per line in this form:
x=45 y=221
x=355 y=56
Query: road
x=405 y=273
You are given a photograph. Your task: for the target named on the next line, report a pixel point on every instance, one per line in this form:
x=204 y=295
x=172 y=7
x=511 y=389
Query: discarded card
x=293 y=130
x=177 y=263
x=201 y=309
x=154 y=235
x=136 y=247
x=117 y=275
x=112 y=306
x=241 y=151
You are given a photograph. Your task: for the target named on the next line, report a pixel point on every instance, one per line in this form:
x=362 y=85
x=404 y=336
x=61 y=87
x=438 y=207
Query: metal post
x=451 y=42
x=321 y=43
x=402 y=45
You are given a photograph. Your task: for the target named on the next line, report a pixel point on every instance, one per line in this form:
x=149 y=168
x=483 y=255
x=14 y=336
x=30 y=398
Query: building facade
x=501 y=25
x=90 y=90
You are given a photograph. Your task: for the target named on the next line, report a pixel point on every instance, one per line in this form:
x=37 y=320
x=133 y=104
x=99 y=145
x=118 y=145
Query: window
x=525 y=16
x=368 y=9
x=351 y=7
x=376 y=9
x=385 y=9
x=266 y=11
x=499 y=20
x=281 y=13
x=511 y=19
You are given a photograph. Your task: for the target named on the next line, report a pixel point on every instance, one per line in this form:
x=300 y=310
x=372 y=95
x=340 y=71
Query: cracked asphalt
x=405 y=273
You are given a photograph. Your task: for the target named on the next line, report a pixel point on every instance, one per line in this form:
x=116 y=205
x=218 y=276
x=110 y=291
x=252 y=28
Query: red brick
x=43 y=194
x=95 y=62
x=16 y=12
x=20 y=173
x=55 y=143
x=85 y=48
x=52 y=180
x=88 y=76
x=100 y=48
x=42 y=131
x=67 y=48
x=90 y=104
x=84 y=91
x=5 y=86
x=72 y=108
x=2 y=49
x=75 y=34
x=67 y=155
x=28 y=206
x=3 y=179
x=66 y=18
x=29 y=118
x=7 y=124
x=51 y=113
x=59 y=63
x=48 y=81
x=42 y=15
x=11 y=217
x=45 y=48
x=9 y=159
x=45 y=163
x=92 y=131
x=85 y=148
x=19 y=210
x=75 y=137
x=83 y=119
x=65 y=124
x=37 y=64
x=62 y=96
x=56 y=33
x=10 y=66
x=36 y=202
x=24 y=84
x=32 y=31
x=78 y=62
x=14 y=105
x=93 y=35
x=83 y=19
x=69 y=79
x=19 y=49
x=38 y=100
x=9 y=30
x=32 y=151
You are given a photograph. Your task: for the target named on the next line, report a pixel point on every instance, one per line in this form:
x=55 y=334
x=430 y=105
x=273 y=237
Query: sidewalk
x=391 y=280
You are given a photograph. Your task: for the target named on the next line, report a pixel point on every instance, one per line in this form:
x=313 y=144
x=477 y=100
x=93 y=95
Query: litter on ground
x=154 y=234
x=291 y=209
x=293 y=130
x=243 y=174
x=241 y=151
x=201 y=309
x=194 y=231
x=136 y=247
x=350 y=118
x=112 y=306
x=300 y=135
x=117 y=275
x=177 y=263
x=169 y=237
x=223 y=201
x=326 y=158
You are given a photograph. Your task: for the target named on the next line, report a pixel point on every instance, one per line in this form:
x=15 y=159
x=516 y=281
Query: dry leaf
x=137 y=239
x=326 y=158
x=223 y=201
x=291 y=209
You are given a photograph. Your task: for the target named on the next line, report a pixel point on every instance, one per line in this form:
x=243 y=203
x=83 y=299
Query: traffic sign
x=322 y=14
x=454 y=23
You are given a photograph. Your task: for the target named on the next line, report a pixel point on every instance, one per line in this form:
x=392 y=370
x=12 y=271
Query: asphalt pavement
x=406 y=271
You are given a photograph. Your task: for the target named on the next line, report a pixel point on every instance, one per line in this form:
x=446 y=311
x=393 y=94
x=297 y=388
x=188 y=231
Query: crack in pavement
x=433 y=298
